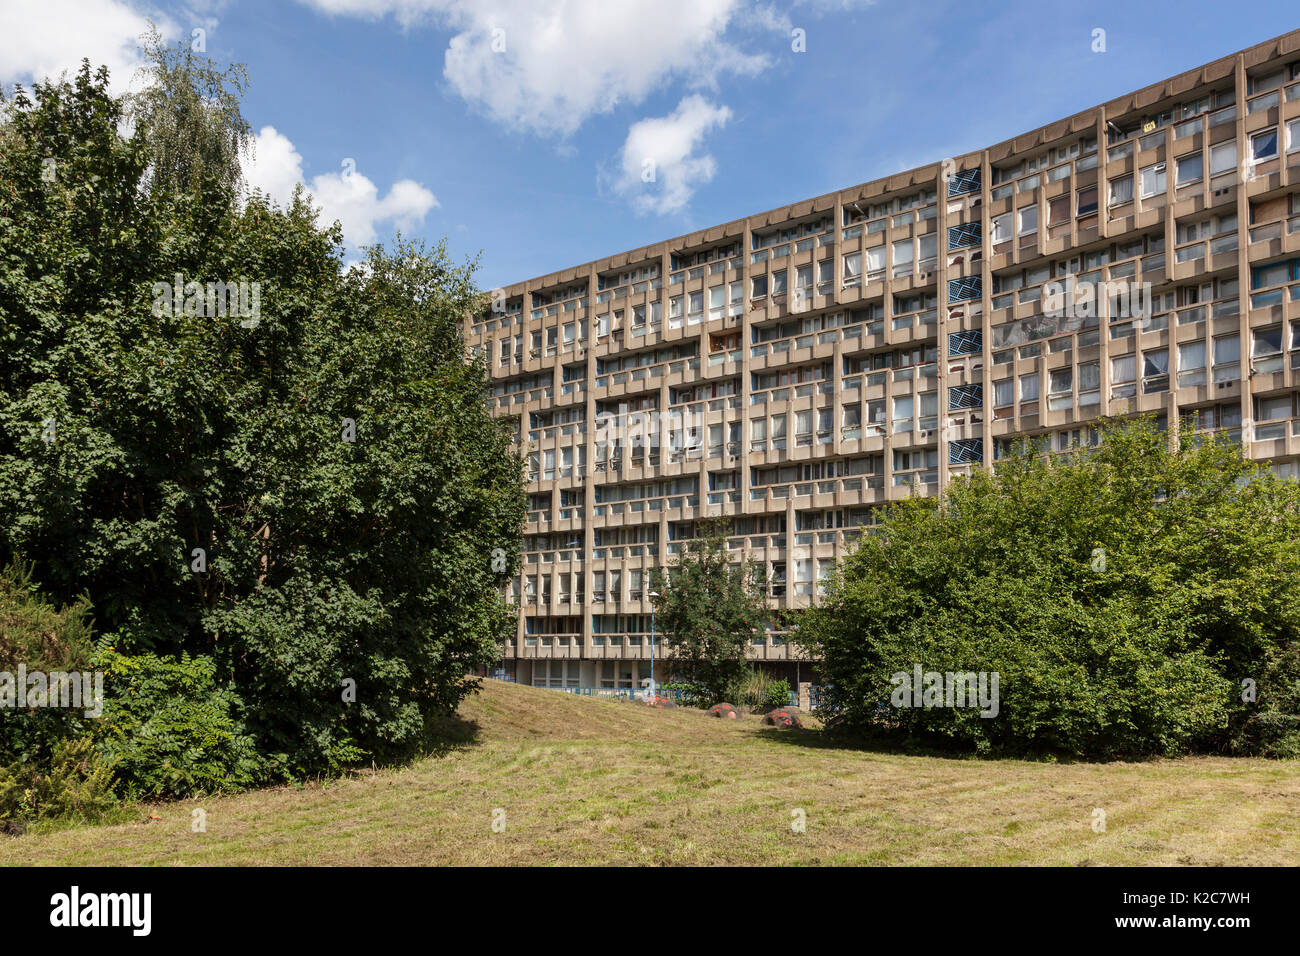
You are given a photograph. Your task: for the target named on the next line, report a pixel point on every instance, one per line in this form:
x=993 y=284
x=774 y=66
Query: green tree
x=310 y=496
x=1122 y=594
x=708 y=609
x=188 y=112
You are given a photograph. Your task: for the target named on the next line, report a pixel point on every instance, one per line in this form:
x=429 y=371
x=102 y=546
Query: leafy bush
x=1121 y=595
x=777 y=695
x=170 y=730
x=74 y=786
x=48 y=769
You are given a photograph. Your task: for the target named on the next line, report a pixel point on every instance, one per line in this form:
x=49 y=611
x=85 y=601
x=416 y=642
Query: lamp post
x=653 y=595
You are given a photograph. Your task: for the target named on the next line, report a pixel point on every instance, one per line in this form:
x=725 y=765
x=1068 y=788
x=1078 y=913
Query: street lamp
x=653 y=595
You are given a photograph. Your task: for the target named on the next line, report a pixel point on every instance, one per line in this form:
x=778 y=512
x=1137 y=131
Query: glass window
x=1227 y=348
x=1003 y=393
x=1189 y=169
x=1001 y=228
x=1028 y=220
x=1121 y=190
x=1223 y=157
x=1087 y=200
x=1029 y=387
x=1263 y=145
x=1153 y=180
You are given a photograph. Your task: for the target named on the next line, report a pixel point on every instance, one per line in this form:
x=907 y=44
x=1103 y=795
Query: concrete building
x=799 y=368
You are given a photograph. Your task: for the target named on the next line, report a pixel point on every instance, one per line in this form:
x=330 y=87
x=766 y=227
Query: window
x=1267 y=341
x=1060 y=385
x=1121 y=190
x=1293 y=136
x=1058 y=210
x=929 y=249
x=1028 y=220
x=1191 y=364
x=778 y=432
x=1272 y=408
x=875 y=263
x=1087 y=200
x=1155 y=370
x=903 y=414
x=852 y=269
x=803 y=428
x=1190 y=169
x=758 y=288
x=1223 y=157
x=1263 y=145
x=1090 y=383
x=717 y=302
x=1004 y=393
x=1123 y=369
x=902 y=256
x=778 y=282
x=1029 y=387
x=1001 y=231
x=1227 y=356
x=1153 y=180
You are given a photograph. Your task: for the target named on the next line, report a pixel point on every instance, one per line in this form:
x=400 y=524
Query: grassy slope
x=588 y=781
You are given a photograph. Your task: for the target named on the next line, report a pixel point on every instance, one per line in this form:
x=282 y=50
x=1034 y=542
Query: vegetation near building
x=1133 y=599
x=291 y=516
x=709 y=609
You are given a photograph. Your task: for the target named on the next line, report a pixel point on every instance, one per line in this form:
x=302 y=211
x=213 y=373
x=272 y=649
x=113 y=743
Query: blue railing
x=963 y=235
x=966 y=451
x=966 y=342
x=966 y=181
x=965 y=396
x=964 y=289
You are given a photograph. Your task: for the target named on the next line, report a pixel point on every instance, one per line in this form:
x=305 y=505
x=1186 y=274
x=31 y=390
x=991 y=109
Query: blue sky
x=526 y=142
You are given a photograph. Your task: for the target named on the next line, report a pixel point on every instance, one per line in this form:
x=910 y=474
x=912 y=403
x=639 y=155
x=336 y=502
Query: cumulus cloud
x=546 y=66
x=43 y=38
x=659 y=166
x=275 y=168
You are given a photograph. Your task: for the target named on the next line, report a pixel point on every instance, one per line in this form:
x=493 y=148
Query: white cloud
x=275 y=168
x=43 y=38
x=548 y=65
x=659 y=166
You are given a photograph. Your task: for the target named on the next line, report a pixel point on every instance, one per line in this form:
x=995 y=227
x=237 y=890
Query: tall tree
x=189 y=113
x=310 y=493
x=709 y=608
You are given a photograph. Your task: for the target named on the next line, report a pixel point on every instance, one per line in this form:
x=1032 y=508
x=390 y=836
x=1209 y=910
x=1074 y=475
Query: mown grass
x=585 y=781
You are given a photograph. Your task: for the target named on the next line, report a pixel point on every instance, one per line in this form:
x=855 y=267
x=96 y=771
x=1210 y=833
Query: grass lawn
x=588 y=781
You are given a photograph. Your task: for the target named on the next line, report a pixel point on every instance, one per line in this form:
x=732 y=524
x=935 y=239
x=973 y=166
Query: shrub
x=1121 y=594
x=74 y=786
x=757 y=690
x=170 y=730
x=778 y=694
x=48 y=768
